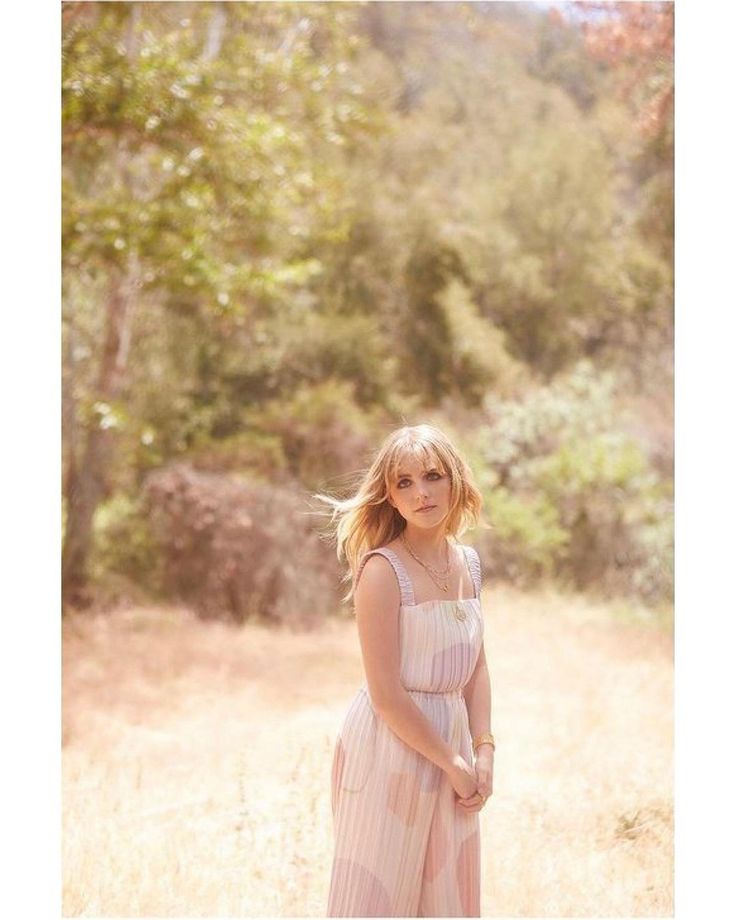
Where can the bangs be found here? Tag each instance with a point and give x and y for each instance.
(424, 453)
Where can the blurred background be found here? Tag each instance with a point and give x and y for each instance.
(289, 228)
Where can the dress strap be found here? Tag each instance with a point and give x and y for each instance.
(407, 590)
(471, 554)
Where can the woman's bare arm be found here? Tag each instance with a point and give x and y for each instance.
(477, 693)
(377, 600)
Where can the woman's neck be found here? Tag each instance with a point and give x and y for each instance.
(430, 544)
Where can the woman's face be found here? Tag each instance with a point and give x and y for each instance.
(416, 487)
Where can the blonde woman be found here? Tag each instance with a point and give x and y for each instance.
(413, 760)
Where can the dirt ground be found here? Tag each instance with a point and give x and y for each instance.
(196, 761)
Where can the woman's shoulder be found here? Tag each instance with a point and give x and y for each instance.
(386, 550)
(391, 552)
(379, 559)
(376, 576)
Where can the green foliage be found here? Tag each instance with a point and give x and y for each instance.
(559, 276)
(427, 338)
(327, 218)
(259, 454)
(528, 539)
(123, 543)
(606, 461)
(571, 492)
(479, 361)
(186, 164)
(323, 346)
(322, 430)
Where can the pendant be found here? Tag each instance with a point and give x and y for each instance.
(460, 613)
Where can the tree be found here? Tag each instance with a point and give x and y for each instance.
(636, 40)
(194, 150)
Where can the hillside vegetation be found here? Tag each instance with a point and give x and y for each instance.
(291, 227)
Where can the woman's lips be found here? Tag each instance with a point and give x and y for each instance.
(426, 508)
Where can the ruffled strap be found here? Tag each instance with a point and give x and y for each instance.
(405, 585)
(471, 554)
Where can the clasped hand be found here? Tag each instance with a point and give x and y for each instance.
(484, 781)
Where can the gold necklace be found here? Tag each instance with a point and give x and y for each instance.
(438, 576)
(459, 610)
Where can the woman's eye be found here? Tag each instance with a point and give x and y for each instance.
(433, 474)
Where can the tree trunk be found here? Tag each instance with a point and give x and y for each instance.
(215, 32)
(86, 475)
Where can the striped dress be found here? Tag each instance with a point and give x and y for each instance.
(403, 847)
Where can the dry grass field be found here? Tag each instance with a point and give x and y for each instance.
(196, 762)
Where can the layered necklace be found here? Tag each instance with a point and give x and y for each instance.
(439, 576)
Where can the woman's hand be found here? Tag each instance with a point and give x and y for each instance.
(463, 777)
(484, 780)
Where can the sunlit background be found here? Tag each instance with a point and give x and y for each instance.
(287, 229)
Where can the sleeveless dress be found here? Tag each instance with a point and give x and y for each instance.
(403, 847)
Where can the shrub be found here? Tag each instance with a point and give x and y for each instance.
(124, 558)
(320, 428)
(237, 549)
(570, 494)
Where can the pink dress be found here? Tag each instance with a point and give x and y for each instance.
(403, 847)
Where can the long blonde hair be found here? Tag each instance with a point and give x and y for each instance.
(367, 520)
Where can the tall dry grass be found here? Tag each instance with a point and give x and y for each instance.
(196, 762)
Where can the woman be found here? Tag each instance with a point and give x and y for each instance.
(413, 761)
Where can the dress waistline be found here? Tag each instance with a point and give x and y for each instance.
(450, 693)
(456, 694)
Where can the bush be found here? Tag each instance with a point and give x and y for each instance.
(320, 428)
(616, 511)
(527, 537)
(236, 549)
(571, 495)
(124, 558)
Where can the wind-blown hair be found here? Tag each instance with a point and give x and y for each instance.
(367, 520)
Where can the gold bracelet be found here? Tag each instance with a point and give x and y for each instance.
(485, 738)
